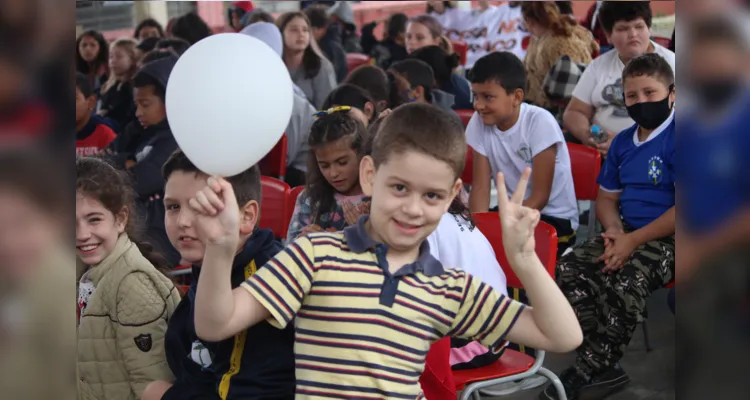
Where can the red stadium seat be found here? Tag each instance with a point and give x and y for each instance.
(468, 176)
(585, 164)
(662, 41)
(462, 49)
(273, 214)
(292, 201)
(465, 116)
(274, 163)
(354, 60)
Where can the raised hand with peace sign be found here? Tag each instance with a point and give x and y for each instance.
(518, 222)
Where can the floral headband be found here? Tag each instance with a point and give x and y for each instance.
(332, 110)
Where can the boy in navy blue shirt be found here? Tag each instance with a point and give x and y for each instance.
(257, 363)
(635, 255)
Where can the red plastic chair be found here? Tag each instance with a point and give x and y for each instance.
(354, 60)
(274, 163)
(465, 116)
(292, 201)
(585, 164)
(662, 41)
(437, 379)
(468, 176)
(462, 49)
(513, 365)
(273, 214)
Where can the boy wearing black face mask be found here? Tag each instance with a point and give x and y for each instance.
(636, 254)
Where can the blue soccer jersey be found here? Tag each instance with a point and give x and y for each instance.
(642, 172)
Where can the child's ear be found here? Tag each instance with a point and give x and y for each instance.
(518, 96)
(249, 216)
(419, 93)
(91, 103)
(454, 192)
(366, 175)
(369, 110)
(121, 220)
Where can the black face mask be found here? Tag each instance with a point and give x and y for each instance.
(649, 115)
(716, 93)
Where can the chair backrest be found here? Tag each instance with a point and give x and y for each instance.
(462, 49)
(273, 214)
(468, 176)
(465, 116)
(292, 201)
(662, 41)
(585, 164)
(546, 244)
(274, 163)
(354, 60)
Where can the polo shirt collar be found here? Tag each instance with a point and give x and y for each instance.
(359, 241)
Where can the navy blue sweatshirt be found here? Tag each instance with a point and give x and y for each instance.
(266, 359)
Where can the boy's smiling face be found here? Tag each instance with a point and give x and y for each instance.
(410, 193)
(494, 105)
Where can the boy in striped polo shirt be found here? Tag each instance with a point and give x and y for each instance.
(369, 301)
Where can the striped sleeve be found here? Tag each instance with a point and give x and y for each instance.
(282, 284)
(485, 315)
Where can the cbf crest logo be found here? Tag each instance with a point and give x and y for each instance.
(655, 169)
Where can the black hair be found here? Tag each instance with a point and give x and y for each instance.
(179, 46)
(503, 68)
(150, 23)
(148, 44)
(258, 15)
(374, 80)
(649, 64)
(83, 83)
(246, 184)
(191, 27)
(613, 11)
(329, 128)
(396, 25)
(102, 58)
(446, 4)
(565, 7)
(141, 80)
(418, 73)
(716, 29)
(317, 15)
(311, 59)
(350, 95)
(439, 60)
(114, 190)
(157, 54)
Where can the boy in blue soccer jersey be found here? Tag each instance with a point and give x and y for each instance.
(635, 254)
(368, 302)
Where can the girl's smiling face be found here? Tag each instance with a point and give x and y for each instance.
(297, 35)
(89, 48)
(339, 165)
(97, 229)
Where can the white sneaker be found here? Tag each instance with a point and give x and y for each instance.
(504, 389)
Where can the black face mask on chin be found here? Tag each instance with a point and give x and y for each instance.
(716, 93)
(649, 115)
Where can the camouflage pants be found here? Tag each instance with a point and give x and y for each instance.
(609, 307)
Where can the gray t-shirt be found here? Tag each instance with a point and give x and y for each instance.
(319, 86)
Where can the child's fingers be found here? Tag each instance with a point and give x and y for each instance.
(213, 199)
(197, 207)
(205, 204)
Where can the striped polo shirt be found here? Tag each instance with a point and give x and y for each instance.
(362, 332)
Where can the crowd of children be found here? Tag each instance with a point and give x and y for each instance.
(382, 257)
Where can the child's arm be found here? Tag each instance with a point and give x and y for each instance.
(543, 165)
(279, 285)
(608, 199)
(550, 324)
(301, 217)
(147, 171)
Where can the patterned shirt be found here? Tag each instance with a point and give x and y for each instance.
(303, 214)
(362, 332)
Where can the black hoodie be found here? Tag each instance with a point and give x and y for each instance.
(266, 359)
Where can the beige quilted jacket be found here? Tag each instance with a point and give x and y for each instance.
(121, 332)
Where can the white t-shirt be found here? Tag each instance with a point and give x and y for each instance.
(601, 86)
(511, 151)
(457, 246)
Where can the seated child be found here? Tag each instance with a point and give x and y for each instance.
(422, 88)
(124, 302)
(372, 298)
(146, 145)
(386, 88)
(255, 364)
(362, 105)
(636, 253)
(508, 135)
(332, 198)
(92, 136)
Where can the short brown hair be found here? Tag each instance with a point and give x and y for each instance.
(548, 15)
(246, 184)
(649, 64)
(423, 128)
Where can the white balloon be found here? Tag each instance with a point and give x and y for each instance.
(229, 99)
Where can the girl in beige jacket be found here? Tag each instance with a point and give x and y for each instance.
(124, 302)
